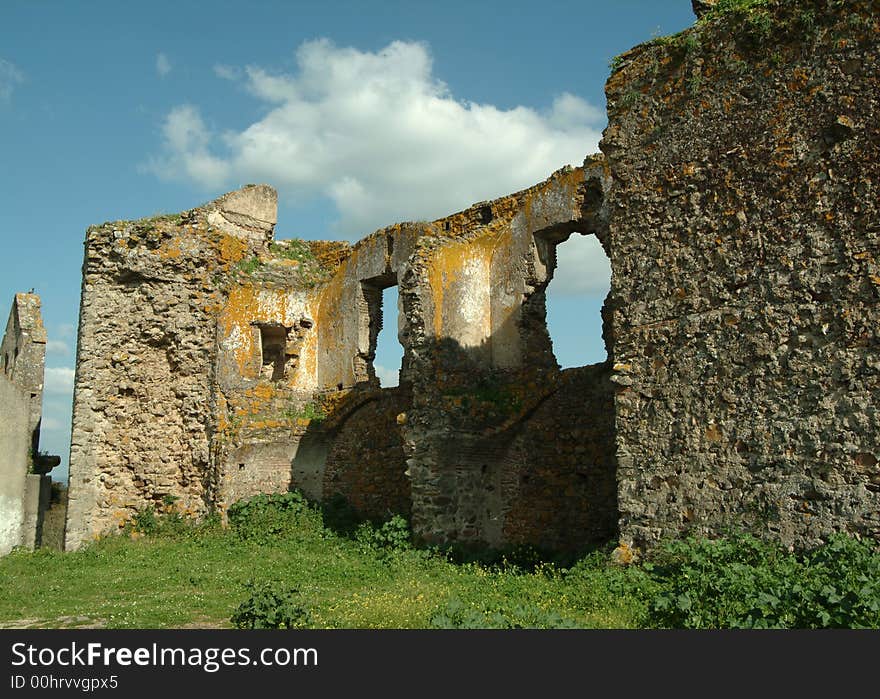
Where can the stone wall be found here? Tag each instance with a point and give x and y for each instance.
(23, 353)
(144, 392)
(487, 391)
(24, 485)
(366, 459)
(745, 159)
(559, 481)
(14, 450)
(52, 535)
(215, 363)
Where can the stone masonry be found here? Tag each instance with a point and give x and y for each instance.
(24, 483)
(745, 244)
(736, 198)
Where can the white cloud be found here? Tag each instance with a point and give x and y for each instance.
(387, 377)
(57, 347)
(186, 137)
(581, 268)
(10, 76)
(379, 135)
(163, 65)
(58, 380)
(227, 72)
(66, 330)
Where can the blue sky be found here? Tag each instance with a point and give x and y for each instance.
(361, 113)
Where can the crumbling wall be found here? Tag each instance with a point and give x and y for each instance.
(24, 485)
(215, 363)
(23, 353)
(366, 458)
(737, 202)
(559, 478)
(484, 377)
(144, 392)
(745, 155)
(14, 450)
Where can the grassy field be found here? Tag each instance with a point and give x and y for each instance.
(198, 577)
(168, 574)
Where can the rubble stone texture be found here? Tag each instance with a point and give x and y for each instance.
(745, 243)
(736, 198)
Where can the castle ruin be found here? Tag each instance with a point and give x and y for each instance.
(736, 198)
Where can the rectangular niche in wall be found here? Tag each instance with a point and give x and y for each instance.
(273, 349)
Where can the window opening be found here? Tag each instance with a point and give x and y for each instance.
(574, 299)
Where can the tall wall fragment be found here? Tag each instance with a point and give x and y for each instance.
(745, 160)
(24, 483)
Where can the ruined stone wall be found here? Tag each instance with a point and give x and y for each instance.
(144, 398)
(52, 534)
(737, 202)
(142, 392)
(366, 459)
(14, 450)
(23, 353)
(559, 476)
(745, 158)
(487, 391)
(24, 485)
(215, 363)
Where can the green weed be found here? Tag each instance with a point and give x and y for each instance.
(270, 605)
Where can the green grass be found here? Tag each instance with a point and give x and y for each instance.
(329, 571)
(347, 580)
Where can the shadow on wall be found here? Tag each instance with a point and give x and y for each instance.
(474, 455)
(357, 453)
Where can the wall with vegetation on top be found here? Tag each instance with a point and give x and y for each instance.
(745, 163)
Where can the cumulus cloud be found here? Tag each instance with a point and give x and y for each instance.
(163, 65)
(582, 268)
(186, 138)
(66, 330)
(378, 134)
(58, 380)
(10, 76)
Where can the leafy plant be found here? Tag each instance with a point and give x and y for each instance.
(270, 605)
(248, 265)
(393, 535)
(313, 412)
(148, 522)
(488, 392)
(263, 518)
(145, 521)
(743, 582)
